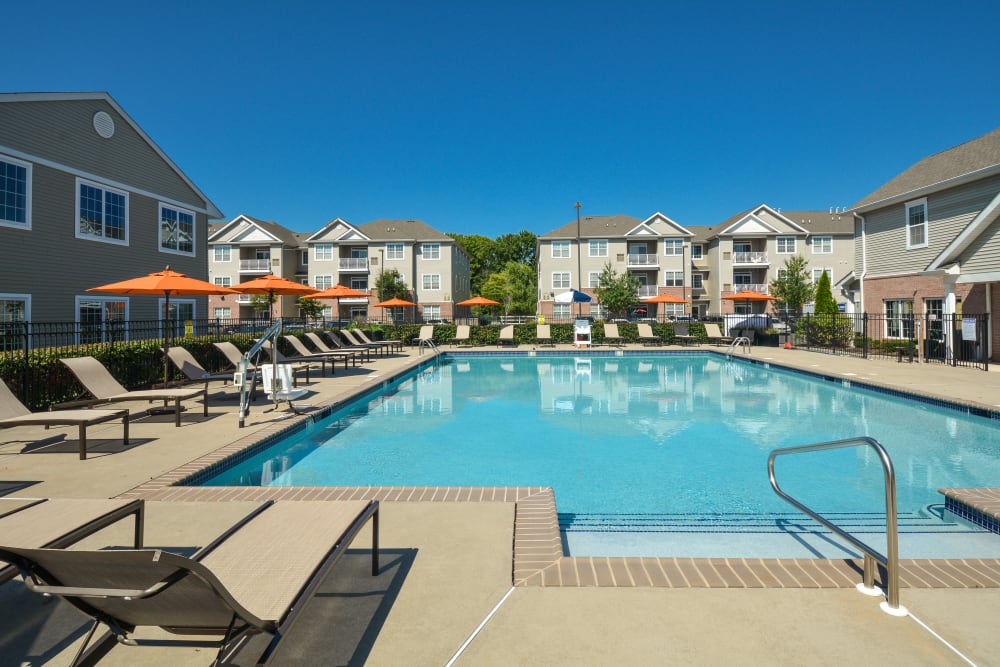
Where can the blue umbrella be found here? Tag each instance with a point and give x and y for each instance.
(573, 296)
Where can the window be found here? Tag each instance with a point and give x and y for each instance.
(673, 278)
(102, 213)
(305, 258)
(916, 224)
(560, 311)
(598, 248)
(822, 245)
(359, 283)
(394, 251)
(222, 253)
(102, 319)
(431, 281)
(221, 313)
(673, 309)
(598, 311)
(176, 230)
(15, 193)
(13, 308)
(818, 272)
(181, 311)
(323, 282)
(697, 251)
(222, 281)
(431, 250)
(673, 247)
(560, 249)
(899, 318)
(323, 251)
(934, 314)
(594, 279)
(697, 281)
(742, 279)
(786, 245)
(432, 312)
(560, 280)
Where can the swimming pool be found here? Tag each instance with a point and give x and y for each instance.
(646, 452)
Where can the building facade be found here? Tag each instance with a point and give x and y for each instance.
(88, 198)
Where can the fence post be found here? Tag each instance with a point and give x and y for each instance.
(864, 335)
(25, 346)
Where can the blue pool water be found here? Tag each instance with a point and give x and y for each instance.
(648, 453)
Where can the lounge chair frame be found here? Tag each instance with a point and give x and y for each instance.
(364, 352)
(646, 335)
(611, 335)
(543, 335)
(111, 606)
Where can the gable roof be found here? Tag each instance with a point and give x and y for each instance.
(401, 230)
(595, 226)
(227, 231)
(966, 162)
(211, 210)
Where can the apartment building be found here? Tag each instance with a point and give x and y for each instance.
(88, 198)
(430, 263)
(928, 244)
(699, 264)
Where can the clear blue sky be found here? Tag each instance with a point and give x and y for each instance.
(492, 117)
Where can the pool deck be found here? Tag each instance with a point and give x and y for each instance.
(449, 564)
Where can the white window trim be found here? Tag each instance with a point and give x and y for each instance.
(423, 282)
(423, 251)
(126, 317)
(305, 258)
(569, 279)
(697, 281)
(673, 244)
(825, 269)
(326, 279)
(821, 251)
(594, 279)
(391, 252)
(106, 188)
(561, 244)
(26, 298)
(229, 253)
(325, 246)
(672, 274)
(27, 192)
(778, 245)
(227, 281)
(906, 223)
(591, 248)
(159, 230)
(700, 247)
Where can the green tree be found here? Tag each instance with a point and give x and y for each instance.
(312, 308)
(481, 264)
(515, 287)
(792, 287)
(827, 327)
(520, 248)
(390, 285)
(261, 303)
(825, 304)
(618, 293)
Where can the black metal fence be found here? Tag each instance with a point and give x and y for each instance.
(906, 338)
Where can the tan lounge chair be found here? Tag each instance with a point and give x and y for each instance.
(185, 362)
(611, 335)
(681, 333)
(462, 335)
(59, 522)
(303, 352)
(341, 343)
(233, 356)
(543, 334)
(352, 338)
(361, 336)
(14, 413)
(426, 335)
(255, 578)
(280, 358)
(99, 382)
(363, 353)
(646, 335)
(715, 334)
(507, 336)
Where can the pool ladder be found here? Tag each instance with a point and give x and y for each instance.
(738, 342)
(429, 344)
(891, 560)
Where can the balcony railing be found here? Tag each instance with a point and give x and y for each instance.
(750, 258)
(255, 265)
(353, 263)
(760, 288)
(635, 261)
(646, 291)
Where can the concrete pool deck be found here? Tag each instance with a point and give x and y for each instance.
(450, 564)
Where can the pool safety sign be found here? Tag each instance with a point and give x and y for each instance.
(968, 328)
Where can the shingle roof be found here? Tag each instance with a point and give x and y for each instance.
(973, 156)
(401, 230)
(595, 226)
(822, 222)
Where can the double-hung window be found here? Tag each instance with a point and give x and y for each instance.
(673, 247)
(594, 278)
(394, 251)
(431, 281)
(598, 248)
(176, 230)
(431, 250)
(697, 251)
(323, 252)
(15, 193)
(673, 278)
(916, 224)
(560, 249)
(560, 280)
(432, 311)
(222, 253)
(785, 245)
(102, 213)
(323, 282)
(819, 272)
(697, 281)
(222, 281)
(899, 318)
(822, 245)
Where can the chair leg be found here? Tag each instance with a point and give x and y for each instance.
(177, 412)
(83, 442)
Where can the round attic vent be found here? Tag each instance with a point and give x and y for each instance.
(104, 124)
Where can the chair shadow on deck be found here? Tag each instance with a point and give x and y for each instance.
(68, 444)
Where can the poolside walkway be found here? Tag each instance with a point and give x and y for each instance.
(448, 565)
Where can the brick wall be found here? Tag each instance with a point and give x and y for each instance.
(917, 288)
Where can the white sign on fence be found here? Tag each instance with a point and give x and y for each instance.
(968, 328)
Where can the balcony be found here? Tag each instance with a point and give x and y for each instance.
(255, 266)
(643, 261)
(354, 264)
(753, 287)
(646, 291)
(750, 258)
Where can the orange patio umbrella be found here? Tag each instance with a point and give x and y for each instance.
(395, 302)
(478, 301)
(272, 286)
(749, 296)
(337, 292)
(665, 298)
(164, 283)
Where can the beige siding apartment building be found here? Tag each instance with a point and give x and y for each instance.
(430, 263)
(87, 198)
(928, 241)
(698, 263)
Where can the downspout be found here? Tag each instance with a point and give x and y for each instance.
(864, 260)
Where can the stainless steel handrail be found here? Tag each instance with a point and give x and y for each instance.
(737, 342)
(426, 342)
(891, 559)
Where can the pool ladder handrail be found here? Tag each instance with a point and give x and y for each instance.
(737, 342)
(891, 559)
(428, 343)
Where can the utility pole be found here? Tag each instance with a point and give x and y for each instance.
(579, 257)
